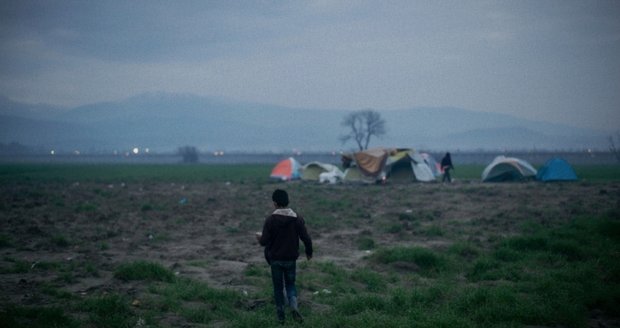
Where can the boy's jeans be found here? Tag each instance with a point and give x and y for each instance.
(283, 277)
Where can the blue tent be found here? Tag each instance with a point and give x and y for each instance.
(556, 169)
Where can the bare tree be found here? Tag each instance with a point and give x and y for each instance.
(612, 146)
(363, 125)
(189, 154)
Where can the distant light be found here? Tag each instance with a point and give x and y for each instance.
(77, 152)
(53, 152)
(221, 153)
(115, 152)
(136, 151)
(147, 150)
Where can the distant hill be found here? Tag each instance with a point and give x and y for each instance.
(163, 122)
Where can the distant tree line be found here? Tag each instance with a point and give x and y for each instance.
(15, 148)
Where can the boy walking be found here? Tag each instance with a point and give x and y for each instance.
(282, 231)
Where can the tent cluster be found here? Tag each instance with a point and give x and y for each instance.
(368, 166)
(406, 165)
(504, 169)
(290, 169)
(395, 164)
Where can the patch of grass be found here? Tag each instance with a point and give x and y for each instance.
(143, 270)
(17, 266)
(427, 260)
(393, 228)
(85, 208)
(598, 172)
(157, 237)
(325, 275)
(35, 316)
(59, 293)
(321, 221)
(5, 241)
(109, 311)
(67, 277)
(254, 270)
(128, 173)
(60, 241)
(45, 265)
(365, 243)
(199, 263)
(433, 231)
(207, 304)
(373, 281)
(357, 304)
(464, 250)
(406, 217)
(152, 206)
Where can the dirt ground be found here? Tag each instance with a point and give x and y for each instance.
(83, 231)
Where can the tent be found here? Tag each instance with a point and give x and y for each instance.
(406, 166)
(365, 166)
(354, 174)
(288, 169)
(432, 164)
(312, 171)
(504, 168)
(556, 169)
(421, 168)
(398, 165)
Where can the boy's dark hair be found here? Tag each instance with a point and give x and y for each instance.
(280, 197)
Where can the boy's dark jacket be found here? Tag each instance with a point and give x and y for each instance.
(281, 234)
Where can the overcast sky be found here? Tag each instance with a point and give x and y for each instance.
(557, 61)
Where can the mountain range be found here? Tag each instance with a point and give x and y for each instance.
(165, 121)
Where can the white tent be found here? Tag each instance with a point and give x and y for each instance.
(421, 169)
(314, 170)
(432, 164)
(504, 168)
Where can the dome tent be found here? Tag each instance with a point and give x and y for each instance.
(285, 170)
(503, 169)
(556, 169)
(312, 171)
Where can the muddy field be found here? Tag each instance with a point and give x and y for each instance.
(72, 236)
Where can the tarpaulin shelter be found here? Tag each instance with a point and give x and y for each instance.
(366, 165)
(287, 169)
(556, 169)
(503, 169)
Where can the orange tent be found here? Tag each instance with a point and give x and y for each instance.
(287, 169)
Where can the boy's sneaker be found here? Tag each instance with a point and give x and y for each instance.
(297, 316)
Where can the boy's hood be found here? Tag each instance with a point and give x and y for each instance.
(285, 212)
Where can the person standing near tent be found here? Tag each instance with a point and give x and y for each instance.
(446, 166)
(281, 233)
